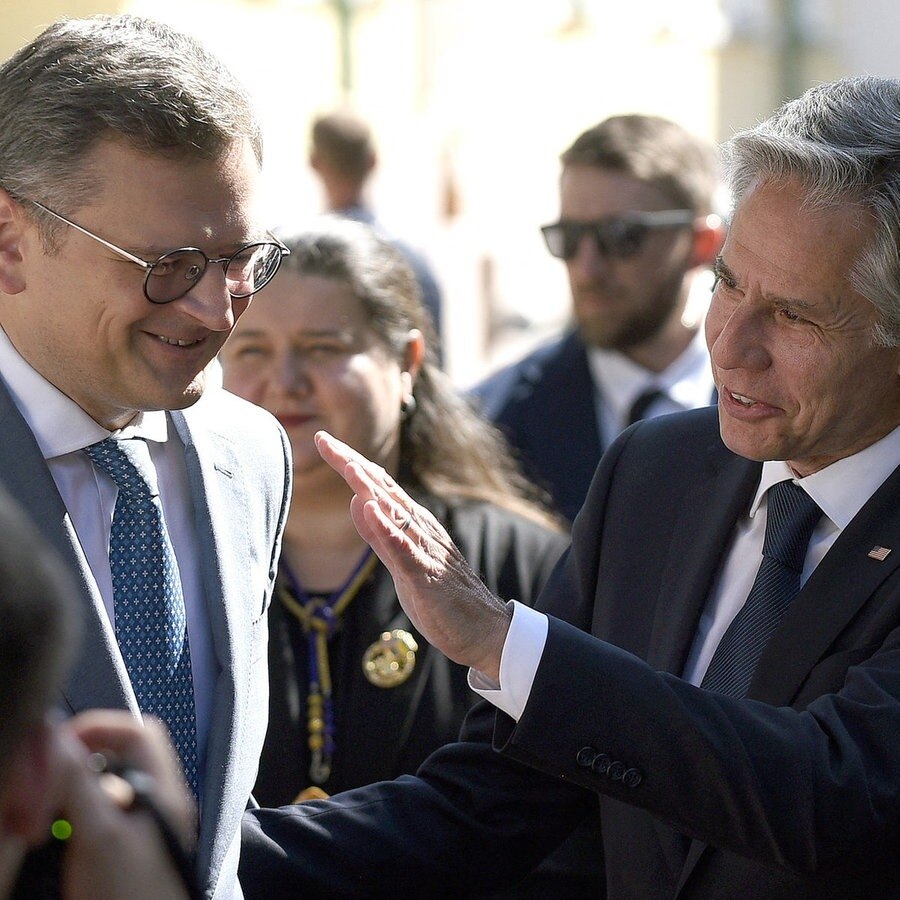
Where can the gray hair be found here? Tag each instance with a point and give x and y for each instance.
(83, 79)
(841, 142)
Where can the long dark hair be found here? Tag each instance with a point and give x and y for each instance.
(446, 448)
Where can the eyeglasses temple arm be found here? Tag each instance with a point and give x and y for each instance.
(124, 253)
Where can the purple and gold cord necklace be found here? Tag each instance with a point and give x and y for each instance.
(320, 616)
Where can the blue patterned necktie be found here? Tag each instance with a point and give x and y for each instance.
(792, 516)
(151, 626)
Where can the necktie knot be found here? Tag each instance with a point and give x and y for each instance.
(127, 463)
(792, 516)
(643, 402)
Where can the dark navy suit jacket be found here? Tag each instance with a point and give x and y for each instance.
(790, 794)
(545, 404)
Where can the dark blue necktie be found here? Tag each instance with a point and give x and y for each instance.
(792, 516)
(642, 403)
(151, 626)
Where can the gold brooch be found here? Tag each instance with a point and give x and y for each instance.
(391, 659)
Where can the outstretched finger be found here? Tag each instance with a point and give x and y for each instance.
(367, 480)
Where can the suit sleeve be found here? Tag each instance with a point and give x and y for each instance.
(806, 787)
(452, 826)
(470, 821)
(778, 785)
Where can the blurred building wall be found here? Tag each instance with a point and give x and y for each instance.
(472, 101)
(24, 19)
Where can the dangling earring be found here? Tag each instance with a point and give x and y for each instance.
(407, 407)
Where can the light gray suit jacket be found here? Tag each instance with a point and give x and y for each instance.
(239, 468)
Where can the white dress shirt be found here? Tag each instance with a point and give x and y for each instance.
(61, 429)
(841, 490)
(687, 384)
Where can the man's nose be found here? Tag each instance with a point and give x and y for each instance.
(737, 337)
(209, 300)
(589, 259)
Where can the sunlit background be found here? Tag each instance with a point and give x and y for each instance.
(471, 102)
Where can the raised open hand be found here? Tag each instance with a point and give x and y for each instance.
(445, 599)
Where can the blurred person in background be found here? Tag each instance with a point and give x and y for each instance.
(342, 154)
(46, 771)
(635, 227)
(343, 342)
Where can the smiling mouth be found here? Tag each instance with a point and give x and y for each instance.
(740, 398)
(175, 342)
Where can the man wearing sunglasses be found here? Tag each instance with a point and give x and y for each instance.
(130, 243)
(635, 226)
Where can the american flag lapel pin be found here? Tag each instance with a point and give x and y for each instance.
(879, 553)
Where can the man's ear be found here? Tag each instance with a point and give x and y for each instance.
(28, 792)
(12, 222)
(708, 237)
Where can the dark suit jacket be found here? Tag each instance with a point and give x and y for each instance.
(545, 405)
(385, 732)
(791, 793)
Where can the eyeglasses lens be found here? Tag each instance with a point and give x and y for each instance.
(613, 238)
(252, 269)
(247, 272)
(174, 274)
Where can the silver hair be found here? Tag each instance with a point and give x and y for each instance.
(83, 79)
(841, 141)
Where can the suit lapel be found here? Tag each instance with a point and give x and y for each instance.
(695, 555)
(566, 436)
(97, 677)
(222, 530)
(840, 586)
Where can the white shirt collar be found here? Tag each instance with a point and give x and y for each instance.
(844, 487)
(687, 380)
(59, 424)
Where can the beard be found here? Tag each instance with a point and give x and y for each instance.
(634, 321)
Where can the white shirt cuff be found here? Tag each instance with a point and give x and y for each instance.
(519, 661)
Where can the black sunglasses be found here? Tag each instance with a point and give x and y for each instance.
(616, 237)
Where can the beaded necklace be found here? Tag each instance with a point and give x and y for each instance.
(319, 616)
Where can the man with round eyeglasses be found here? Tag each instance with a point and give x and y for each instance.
(130, 244)
(635, 227)
(248, 270)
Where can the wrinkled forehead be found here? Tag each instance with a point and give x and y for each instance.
(792, 247)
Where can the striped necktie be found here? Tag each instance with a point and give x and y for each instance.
(792, 516)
